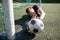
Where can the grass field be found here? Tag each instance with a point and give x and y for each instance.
(51, 22)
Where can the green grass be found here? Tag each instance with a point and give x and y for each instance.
(51, 22)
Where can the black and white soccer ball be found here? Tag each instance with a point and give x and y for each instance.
(35, 25)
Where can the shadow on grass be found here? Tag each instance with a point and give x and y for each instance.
(24, 34)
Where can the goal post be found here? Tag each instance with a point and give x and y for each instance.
(9, 18)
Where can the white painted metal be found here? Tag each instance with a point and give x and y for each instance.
(40, 3)
(9, 18)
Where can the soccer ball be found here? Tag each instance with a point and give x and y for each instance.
(35, 25)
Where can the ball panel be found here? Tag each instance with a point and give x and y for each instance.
(33, 22)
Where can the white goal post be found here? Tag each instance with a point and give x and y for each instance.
(9, 18)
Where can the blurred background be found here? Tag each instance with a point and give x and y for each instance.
(51, 20)
(36, 1)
